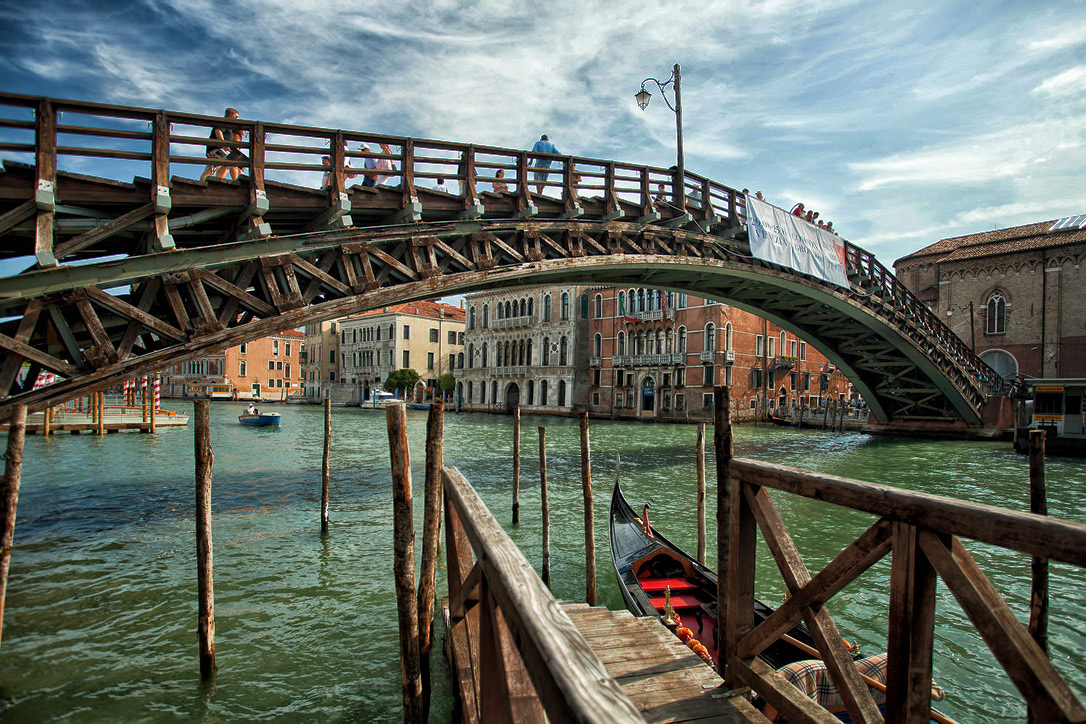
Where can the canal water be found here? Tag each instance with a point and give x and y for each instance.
(101, 608)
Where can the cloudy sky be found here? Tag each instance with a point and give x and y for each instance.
(902, 122)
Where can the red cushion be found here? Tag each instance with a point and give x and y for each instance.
(677, 601)
(654, 585)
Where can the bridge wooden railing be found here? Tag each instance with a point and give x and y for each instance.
(866, 271)
(54, 134)
(922, 531)
(524, 655)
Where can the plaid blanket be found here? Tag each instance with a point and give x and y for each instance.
(813, 679)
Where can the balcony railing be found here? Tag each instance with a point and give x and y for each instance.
(595, 361)
(526, 320)
(707, 357)
(649, 315)
(649, 360)
(784, 363)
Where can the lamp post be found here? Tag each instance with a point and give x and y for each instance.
(972, 324)
(643, 97)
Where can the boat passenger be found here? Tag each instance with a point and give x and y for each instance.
(251, 410)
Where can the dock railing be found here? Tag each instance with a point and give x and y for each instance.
(922, 532)
(517, 653)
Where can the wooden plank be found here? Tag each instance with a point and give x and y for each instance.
(9, 370)
(580, 687)
(845, 568)
(208, 321)
(125, 309)
(105, 351)
(1023, 660)
(911, 629)
(493, 682)
(19, 214)
(135, 327)
(460, 665)
(236, 293)
(177, 306)
(45, 360)
(319, 274)
(1025, 532)
(391, 262)
(103, 232)
(45, 142)
(787, 699)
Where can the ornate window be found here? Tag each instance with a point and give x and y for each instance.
(728, 335)
(710, 337)
(597, 312)
(565, 306)
(621, 343)
(597, 345)
(622, 302)
(680, 341)
(996, 319)
(547, 309)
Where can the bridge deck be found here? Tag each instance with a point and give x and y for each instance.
(660, 675)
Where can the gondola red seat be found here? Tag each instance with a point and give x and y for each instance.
(657, 585)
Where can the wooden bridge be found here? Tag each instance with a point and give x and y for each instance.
(128, 277)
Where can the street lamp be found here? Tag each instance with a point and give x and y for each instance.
(643, 97)
(972, 325)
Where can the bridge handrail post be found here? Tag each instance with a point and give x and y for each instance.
(45, 154)
(524, 195)
(407, 167)
(646, 192)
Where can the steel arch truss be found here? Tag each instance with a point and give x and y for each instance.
(98, 324)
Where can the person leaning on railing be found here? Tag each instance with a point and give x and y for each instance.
(216, 153)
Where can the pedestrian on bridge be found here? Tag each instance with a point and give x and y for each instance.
(215, 153)
(543, 145)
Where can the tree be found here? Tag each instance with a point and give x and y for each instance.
(401, 380)
(446, 383)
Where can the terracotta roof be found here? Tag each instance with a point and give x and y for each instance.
(431, 310)
(291, 333)
(999, 241)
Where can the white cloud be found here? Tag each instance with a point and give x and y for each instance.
(1070, 81)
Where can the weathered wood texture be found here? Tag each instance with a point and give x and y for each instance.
(9, 498)
(403, 564)
(1038, 505)
(568, 677)
(589, 517)
(205, 464)
(431, 530)
(325, 458)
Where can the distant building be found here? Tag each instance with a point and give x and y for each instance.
(525, 347)
(658, 355)
(1018, 295)
(320, 360)
(266, 368)
(427, 337)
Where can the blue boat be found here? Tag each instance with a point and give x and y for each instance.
(260, 419)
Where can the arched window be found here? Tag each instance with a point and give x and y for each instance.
(563, 351)
(784, 343)
(523, 307)
(546, 351)
(562, 393)
(659, 343)
(543, 392)
(470, 391)
(499, 313)
(482, 393)
(565, 306)
(669, 342)
(531, 306)
(484, 353)
(597, 345)
(392, 331)
(528, 354)
(640, 300)
(486, 316)
(471, 359)
(621, 343)
(584, 306)
(531, 392)
(507, 310)
(597, 312)
(996, 319)
(622, 302)
(728, 335)
(460, 390)
(460, 361)
(680, 341)
(547, 309)
(710, 337)
(494, 392)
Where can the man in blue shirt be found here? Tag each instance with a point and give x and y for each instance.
(543, 145)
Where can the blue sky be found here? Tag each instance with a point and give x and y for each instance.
(901, 122)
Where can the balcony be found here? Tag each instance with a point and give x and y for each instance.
(729, 356)
(526, 320)
(649, 360)
(707, 357)
(783, 363)
(458, 372)
(595, 361)
(650, 315)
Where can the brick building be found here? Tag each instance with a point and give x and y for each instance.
(1018, 295)
(658, 355)
(266, 368)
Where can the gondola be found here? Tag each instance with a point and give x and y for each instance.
(782, 421)
(647, 565)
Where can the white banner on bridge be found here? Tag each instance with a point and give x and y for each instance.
(779, 237)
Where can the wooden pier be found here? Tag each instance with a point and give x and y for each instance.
(112, 422)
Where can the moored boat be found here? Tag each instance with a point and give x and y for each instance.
(647, 564)
(379, 400)
(259, 419)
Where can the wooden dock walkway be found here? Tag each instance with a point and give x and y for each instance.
(661, 676)
(78, 422)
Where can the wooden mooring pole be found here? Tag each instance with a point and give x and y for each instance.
(47, 420)
(324, 464)
(205, 463)
(589, 516)
(699, 451)
(722, 447)
(516, 464)
(9, 497)
(1038, 503)
(545, 572)
(403, 564)
(431, 530)
(100, 407)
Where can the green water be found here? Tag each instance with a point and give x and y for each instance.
(101, 610)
